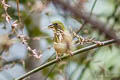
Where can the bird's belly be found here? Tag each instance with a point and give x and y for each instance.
(60, 47)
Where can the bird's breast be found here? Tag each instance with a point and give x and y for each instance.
(60, 47)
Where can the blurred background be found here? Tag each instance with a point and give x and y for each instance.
(34, 16)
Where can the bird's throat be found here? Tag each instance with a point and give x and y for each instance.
(58, 37)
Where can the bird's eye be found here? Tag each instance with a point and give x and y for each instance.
(55, 24)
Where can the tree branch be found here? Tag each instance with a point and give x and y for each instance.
(64, 57)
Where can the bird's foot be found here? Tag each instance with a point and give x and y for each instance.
(99, 43)
(58, 58)
(70, 52)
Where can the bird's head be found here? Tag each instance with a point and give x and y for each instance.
(57, 25)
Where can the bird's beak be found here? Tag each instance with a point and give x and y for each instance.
(50, 26)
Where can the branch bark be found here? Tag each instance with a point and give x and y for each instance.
(79, 51)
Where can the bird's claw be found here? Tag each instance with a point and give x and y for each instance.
(70, 52)
(58, 58)
(99, 43)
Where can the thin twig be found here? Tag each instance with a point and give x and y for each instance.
(17, 1)
(93, 7)
(79, 51)
(90, 16)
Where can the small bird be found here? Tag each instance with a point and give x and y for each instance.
(62, 39)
